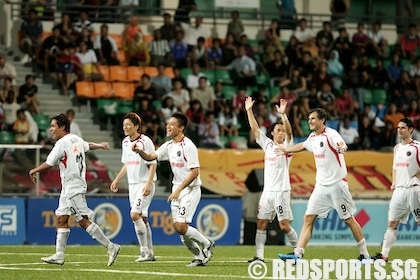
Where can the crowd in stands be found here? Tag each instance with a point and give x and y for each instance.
(365, 82)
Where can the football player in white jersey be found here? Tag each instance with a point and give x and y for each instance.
(275, 198)
(331, 187)
(405, 183)
(141, 177)
(182, 155)
(69, 153)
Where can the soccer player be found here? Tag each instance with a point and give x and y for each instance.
(405, 183)
(331, 187)
(69, 154)
(141, 177)
(182, 155)
(275, 198)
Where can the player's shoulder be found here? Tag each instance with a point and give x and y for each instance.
(145, 138)
(126, 140)
(416, 143)
(188, 142)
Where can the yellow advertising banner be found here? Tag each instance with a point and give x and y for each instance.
(225, 172)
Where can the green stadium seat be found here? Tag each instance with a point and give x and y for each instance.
(224, 140)
(210, 75)
(185, 72)
(229, 91)
(379, 96)
(107, 106)
(157, 104)
(124, 106)
(262, 79)
(406, 63)
(223, 76)
(367, 96)
(7, 137)
(42, 121)
(305, 127)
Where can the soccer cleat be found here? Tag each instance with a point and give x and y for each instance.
(208, 252)
(113, 253)
(290, 256)
(146, 258)
(363, 259)
(196, 262)
(54, 259)
(255, 259)
(379, 256)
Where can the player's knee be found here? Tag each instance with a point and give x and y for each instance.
(63, 221)
(135, 216)
(394, 224)
(84, 223)
(284, 226)
(181, 228)
(262, 224)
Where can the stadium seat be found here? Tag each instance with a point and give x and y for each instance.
(123, 90)
(274, 91)
(148, 38)
(121, 57)
(238, 142)
(367, 96)
(104, 70)
(157, 104)
(118, 40)
(124, 106)
(185, 72)
(85, 89)
(229, 91)
(169, 71)
(305, 127)
(379, 96)
(118, 73)
(262, 79)
(223, 76)
(151, 71)
(224, 140)
(107, 106)
(406, 63)
(7, 137)
(134, 73)
(103, 89)
(42, 121)
(211, 77)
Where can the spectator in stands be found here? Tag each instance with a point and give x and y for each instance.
(128, 7)
(287, 12)
(293, 51)
(349, 134)
(208, 131)
(238, 102)
(344, 103)
(277, 69)
(259, 96)
(229, 50)
(321, 76)
(199, 53)
(404, 91)
(83, 23)
(415, 73)
(302, 33)
(307, 66)
(180, 96)
(131, 30)
(313, 98)
(403, 13)
(353, 80)
(310, 46)
(395, 68)
(148, 114)
(296, 83)
(65, 27)
(50, 49)
(221, 100)
(168, 29)
(178, 77)
(344, 47)
(74, 127)
(161, 82)
(193, 32)
(413, 113)
(284, 93)
(235, 25)
(205, 94)
(10, 108)
(6, 88)
(378, 44)
(106, 48)
(90, 66)
(182, 13)
(31, 31)
(21, 128)
(360, 39)
(339, 10)
(215, 53)
(325, 39)
(380, 75)
(296, 114)
(179, 51)
(327, 100)
(69, 68)
(168, 108)
(245, 69)
(249, 50)
(137, 51)
(85, 36)
(410, 42)
(145, 90)
(193, 78)
(393, 115)
(228, 121)
(272, 35)
(195, 114)
(28, 95)
(335, 69)
(159, 49)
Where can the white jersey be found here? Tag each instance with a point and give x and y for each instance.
(182, 157)
(276, 167)
(69, 154)
(137, 168)
(330, 165)
(406, 164)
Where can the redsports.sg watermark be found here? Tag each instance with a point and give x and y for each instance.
(335, 269)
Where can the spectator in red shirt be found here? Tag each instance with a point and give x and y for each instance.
(410, 42)
(360, 39)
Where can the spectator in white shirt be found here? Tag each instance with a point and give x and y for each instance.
(74, 127)
(303, 33)
(192, 79)
(378, 44)
(193, 32)
(349, 134)
(89, 62)
(83, 23)
(106, 47)
(128, 7)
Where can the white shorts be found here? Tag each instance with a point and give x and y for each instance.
(75, 206)
(139, 203)
(275, 203)
(336, 196)
(404, 201)
(183, 209)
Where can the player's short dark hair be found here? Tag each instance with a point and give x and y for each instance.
(134, 118)
(322, 113)
(182, 119)
(62, 120)
(408, 122)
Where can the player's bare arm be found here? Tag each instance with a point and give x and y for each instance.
(40, 168)
(283, 115)
(255, 130)
(194, 172)
(148, 186)
(114, 184)
(98, 146)
(143, 154)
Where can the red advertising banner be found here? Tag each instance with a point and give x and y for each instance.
(225, 171)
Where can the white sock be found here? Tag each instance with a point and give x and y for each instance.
(293, 238)
(195, 235)
(61, 242)
(362, 248)
(389, 239)
(299, 252)
(97, 234)
(141, 233)
(260, 239)
(192, 246)
(149, 239)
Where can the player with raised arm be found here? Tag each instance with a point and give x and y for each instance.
(275, 198)
(141, 177)
(405, 183)
(182, 155)
(331, 187)
(69, 153)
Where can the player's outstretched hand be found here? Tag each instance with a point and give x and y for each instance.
(249, 103)
(282, 108)
(105, 145)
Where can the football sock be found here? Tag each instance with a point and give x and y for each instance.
(293, 238)
(195, 235)
(193, 247)
(141, 233)
(362, 248)
(389, 239)
(149, 238)
(61, 242)
(98, 235)
(260, 239)
(299, 252)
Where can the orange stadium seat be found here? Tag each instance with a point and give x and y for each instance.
(151, 71)
(118, 40)
(123, 90)
(169, 71)
(85, 89)
(134, 73)
(104, 70)
(118, 73)
(148, 38)
(103, 89)
(121, 57)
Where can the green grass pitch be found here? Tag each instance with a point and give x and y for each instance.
(228, 262)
